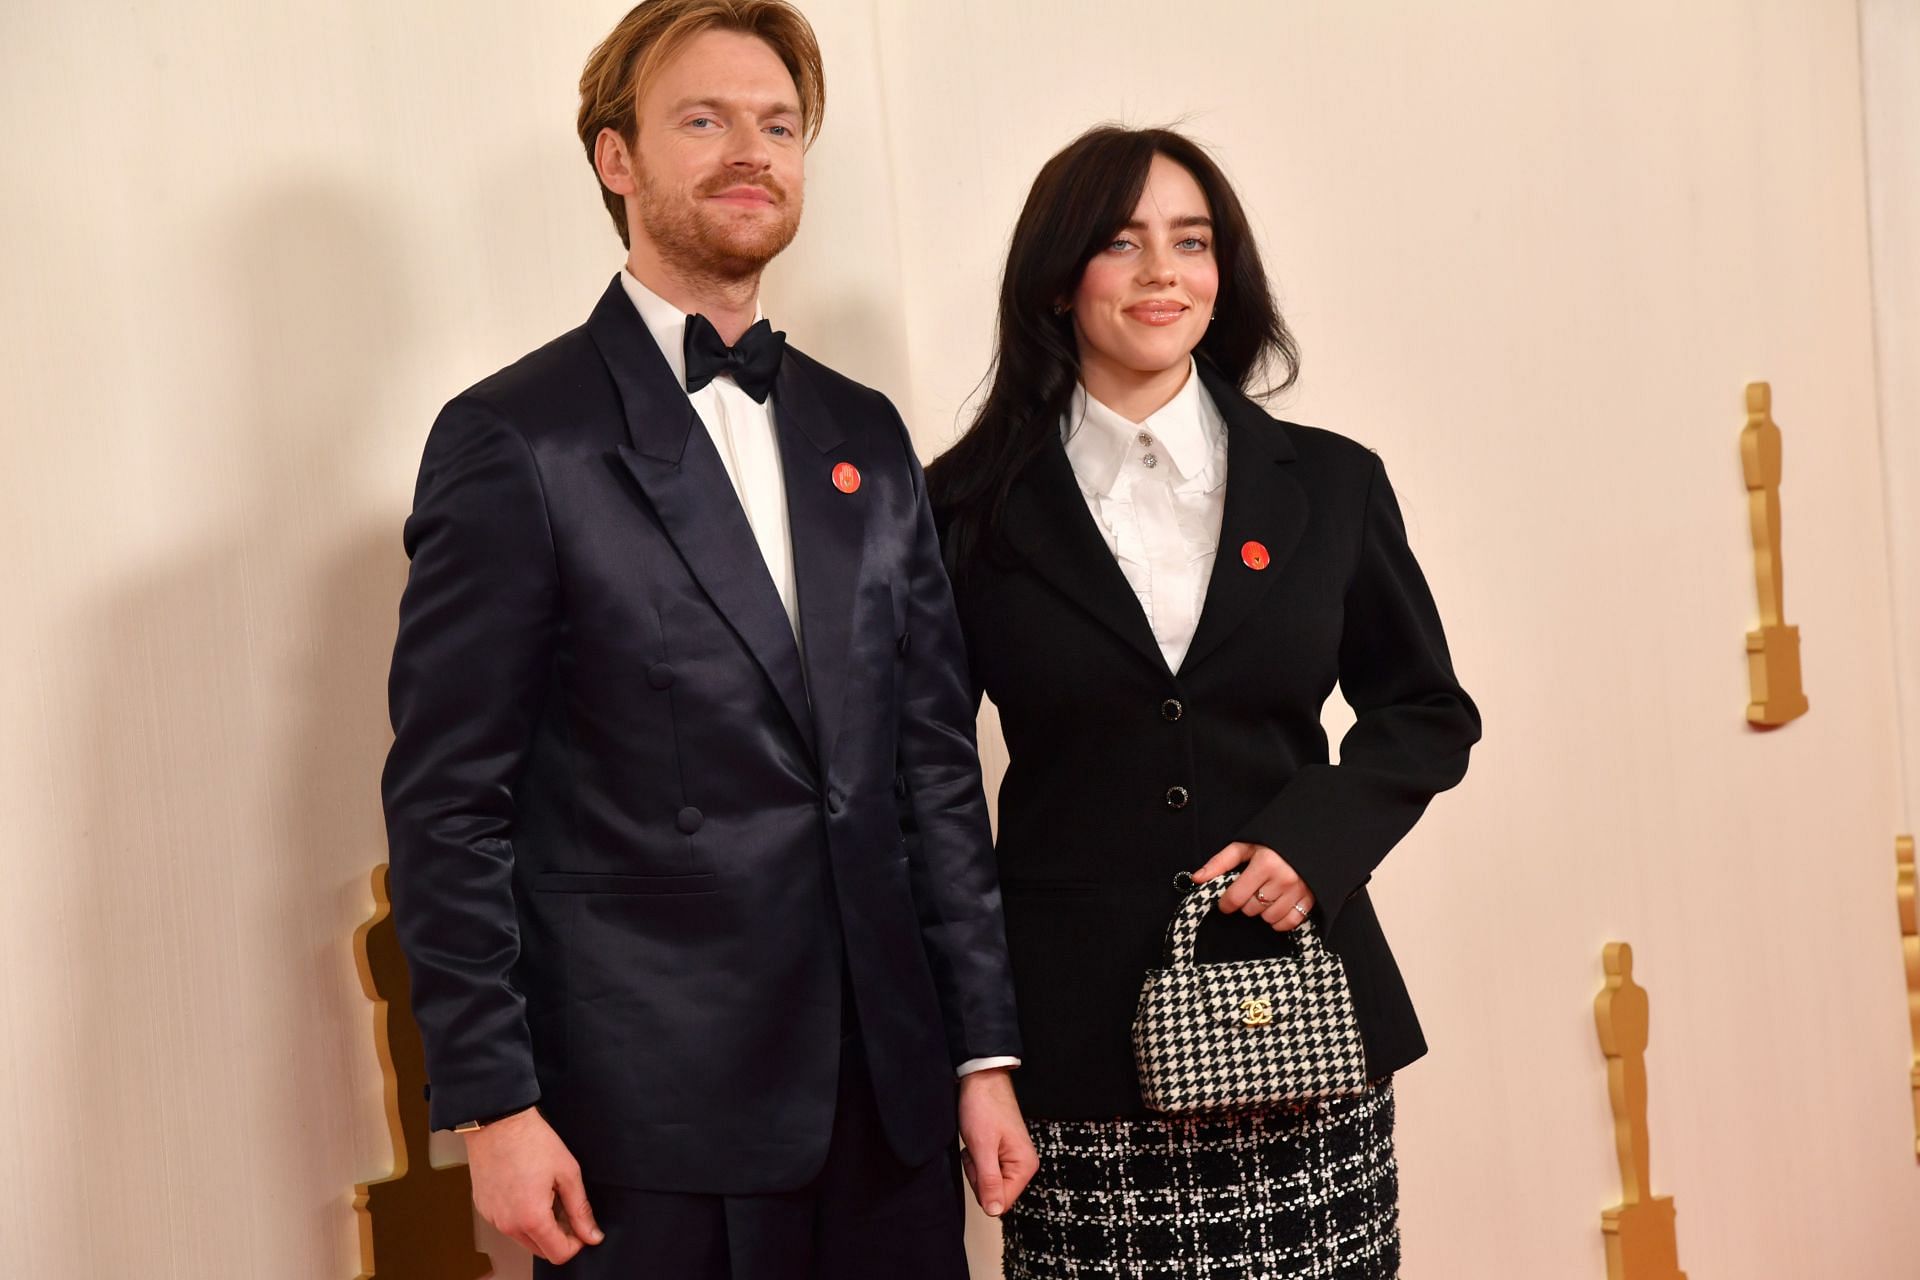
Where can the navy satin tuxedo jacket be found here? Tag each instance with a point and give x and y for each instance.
(638, 834)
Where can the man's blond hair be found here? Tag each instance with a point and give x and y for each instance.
(652, 31)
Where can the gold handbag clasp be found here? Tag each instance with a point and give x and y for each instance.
(1256, 1011)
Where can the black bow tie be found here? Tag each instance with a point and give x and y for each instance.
(751, 362)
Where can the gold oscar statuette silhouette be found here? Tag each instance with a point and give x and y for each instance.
(417, 1224)
(1641, 1244)
(1773, 652)
(1910, 949)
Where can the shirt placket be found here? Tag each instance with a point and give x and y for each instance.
(1166, 552)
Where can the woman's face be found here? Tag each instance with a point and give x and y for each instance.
(1145, 299)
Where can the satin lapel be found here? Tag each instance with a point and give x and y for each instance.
(680, 473)
(829, 538)
(1049, 524)
(1264, 504)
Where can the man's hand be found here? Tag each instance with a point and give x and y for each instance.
(999, 1158)
(520, 1167)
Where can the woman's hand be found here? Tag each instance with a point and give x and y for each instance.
(1268, 888)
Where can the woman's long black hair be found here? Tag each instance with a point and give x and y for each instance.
(1080, 200)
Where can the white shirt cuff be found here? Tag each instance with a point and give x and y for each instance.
(972, 1065)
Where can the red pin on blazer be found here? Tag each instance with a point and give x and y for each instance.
(846, 477)
(1254, 555)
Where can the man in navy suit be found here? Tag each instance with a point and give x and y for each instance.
(690, 857)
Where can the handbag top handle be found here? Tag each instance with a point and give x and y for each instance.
(1183, 932)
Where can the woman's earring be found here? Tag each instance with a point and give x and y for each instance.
(1059, 308)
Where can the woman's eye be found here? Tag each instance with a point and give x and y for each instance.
(1195, 243)
(1119, 246)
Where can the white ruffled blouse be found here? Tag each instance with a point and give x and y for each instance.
(1156, 490)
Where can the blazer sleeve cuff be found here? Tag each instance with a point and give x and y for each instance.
(450, 1104)
(1311, 827)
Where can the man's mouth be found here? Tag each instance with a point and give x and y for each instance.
(745, 195)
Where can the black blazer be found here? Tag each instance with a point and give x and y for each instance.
(1124, 773)
(636, 831)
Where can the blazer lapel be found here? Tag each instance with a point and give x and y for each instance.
(673, 460)
(829, 537)
(1048, 521)
(1264, 504)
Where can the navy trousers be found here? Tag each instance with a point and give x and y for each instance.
(866, 1216)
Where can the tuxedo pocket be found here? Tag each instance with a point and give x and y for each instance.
(586, 882)
(899, 601)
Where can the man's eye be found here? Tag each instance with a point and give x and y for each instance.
(781, 130)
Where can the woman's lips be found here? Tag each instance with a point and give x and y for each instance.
(1156, 313)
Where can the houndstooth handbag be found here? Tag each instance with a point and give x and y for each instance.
(1248, 1032)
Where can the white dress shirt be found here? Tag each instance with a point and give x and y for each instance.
(743, 433)
(1157, 490)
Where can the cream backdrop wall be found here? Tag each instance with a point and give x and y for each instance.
(1533, 251)
(1890, 65)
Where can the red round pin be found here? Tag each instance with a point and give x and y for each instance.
(846, 477)
(1254, 555)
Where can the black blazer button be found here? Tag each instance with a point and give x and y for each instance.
(1172, 710)
(1178, 797)
(659, 675)
(689, 820)
(833, 802)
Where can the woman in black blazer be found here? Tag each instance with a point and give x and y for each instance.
(1160, 586)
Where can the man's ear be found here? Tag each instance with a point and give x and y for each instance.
(613, 159)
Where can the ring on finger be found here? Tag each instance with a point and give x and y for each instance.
(1264, 899)
(1301, 907)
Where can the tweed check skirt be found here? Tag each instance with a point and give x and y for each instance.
(1271, 1193)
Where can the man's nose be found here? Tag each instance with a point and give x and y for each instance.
(747, 148)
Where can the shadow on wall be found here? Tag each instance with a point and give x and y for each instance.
(240, 706)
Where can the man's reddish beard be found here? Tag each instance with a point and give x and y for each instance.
(701, 239)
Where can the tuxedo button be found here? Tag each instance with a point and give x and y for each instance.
(833, 802)
(1178, 797)
(659, 675)
(689, 820)
(1172, 709)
